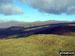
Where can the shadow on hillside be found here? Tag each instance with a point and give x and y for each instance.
(11, 32)
(59, 30)
(17, 32)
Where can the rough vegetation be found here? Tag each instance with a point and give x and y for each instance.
(37, 45)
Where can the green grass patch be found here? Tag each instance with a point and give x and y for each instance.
(37, 45)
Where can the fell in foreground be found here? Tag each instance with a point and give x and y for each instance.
(37, 45)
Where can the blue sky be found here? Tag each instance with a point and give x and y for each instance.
(32, 14)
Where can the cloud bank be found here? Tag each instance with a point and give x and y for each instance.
(53, 6)
(7, 8)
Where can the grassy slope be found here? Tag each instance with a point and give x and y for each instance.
(37, 45)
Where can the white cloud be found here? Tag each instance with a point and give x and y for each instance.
(48, 6)
(7, 8)
(54, 6)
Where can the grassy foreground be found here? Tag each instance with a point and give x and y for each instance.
(37, 45)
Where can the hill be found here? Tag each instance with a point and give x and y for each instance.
(37, 45)
(6, 24)
(21, 31)
(60, 30)
(37, 40)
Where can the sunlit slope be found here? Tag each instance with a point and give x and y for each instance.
(37, 45)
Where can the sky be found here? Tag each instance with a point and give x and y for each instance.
(37, 10)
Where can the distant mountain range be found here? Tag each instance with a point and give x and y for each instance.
(9, 24)
(27, 24)
(20, 30)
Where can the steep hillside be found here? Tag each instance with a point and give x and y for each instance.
(21, 31)
(60, 30)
